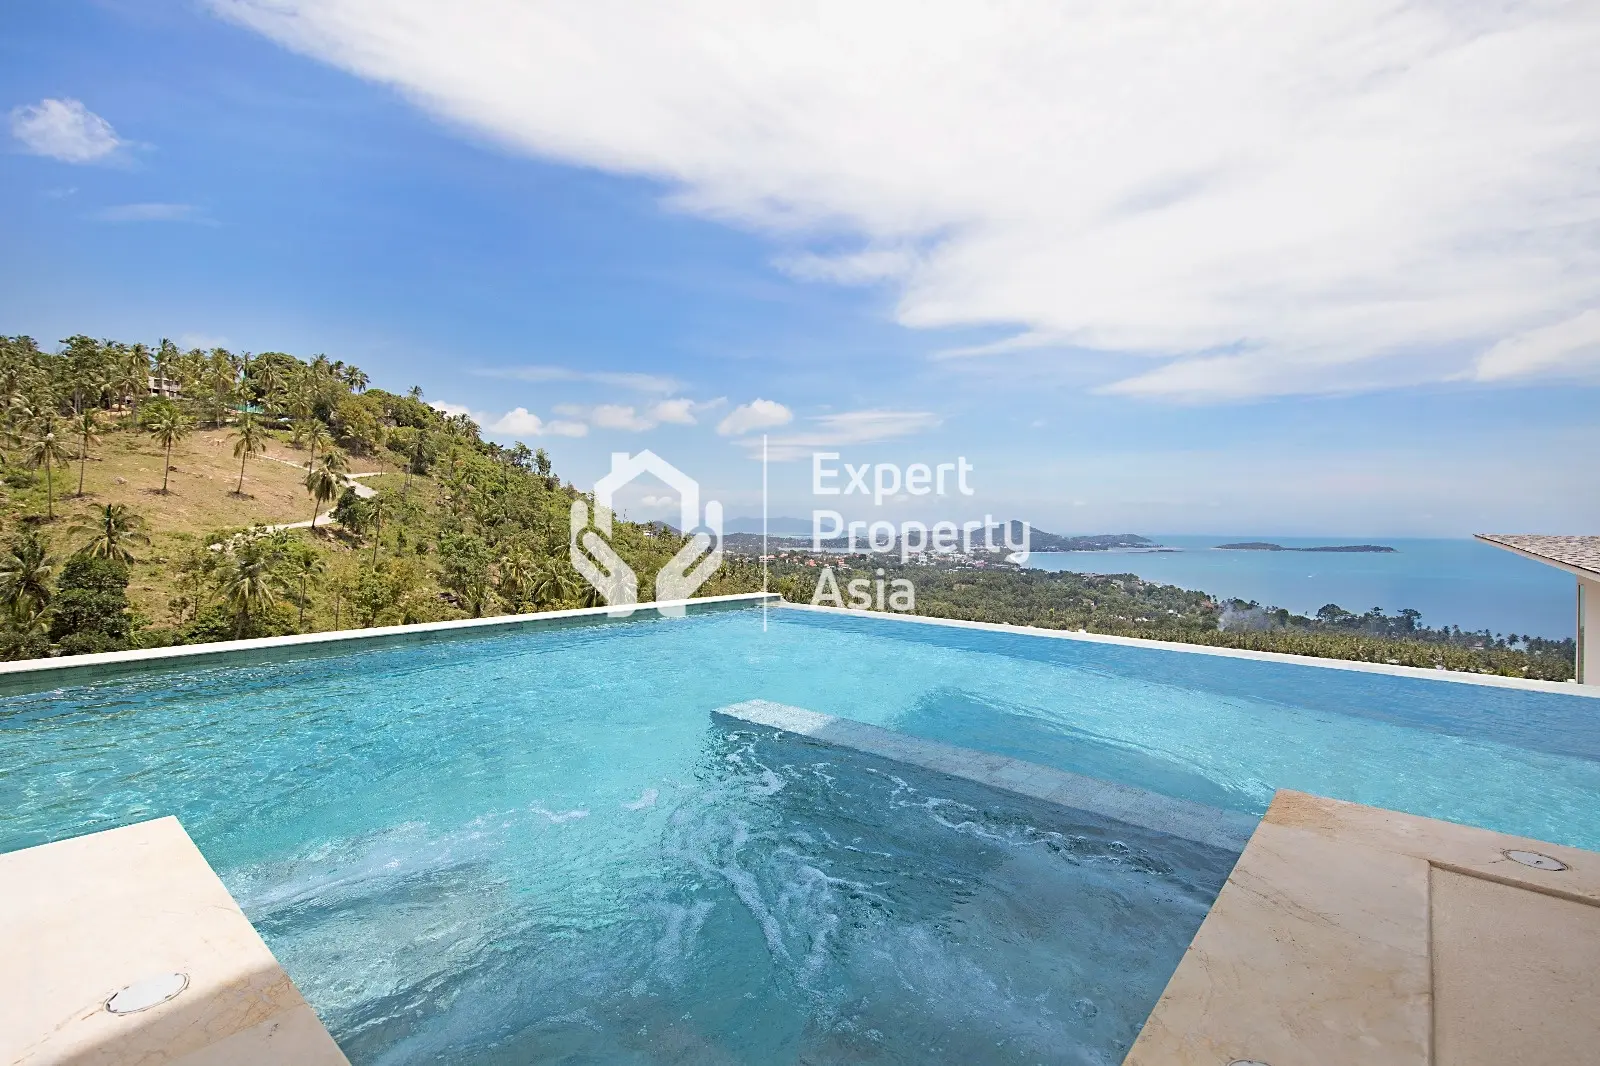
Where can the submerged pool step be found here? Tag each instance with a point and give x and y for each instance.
(1212, 826)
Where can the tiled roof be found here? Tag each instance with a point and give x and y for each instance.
(1570, 553)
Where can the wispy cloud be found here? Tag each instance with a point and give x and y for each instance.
(1329, 193)
(153, 213)
(631, 418)
(616, 379)
(844, 428)
(64, 130)
(1569, 347)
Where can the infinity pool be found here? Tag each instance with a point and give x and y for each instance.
(538, 847)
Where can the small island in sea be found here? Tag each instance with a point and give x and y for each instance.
(1268, 546)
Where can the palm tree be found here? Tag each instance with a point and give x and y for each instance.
(25, 574)
(550, 584)
(85, 424)
(168, 428)
(166, 360)
(377, 530)
(115, 528)
(418, 455)
(304, 567)
(249, 439)
(317, 437)
(268, 378)
(250, 583)
(415, 392)
(131, 377)
(516, 577)
(46, 449)
(324, 480)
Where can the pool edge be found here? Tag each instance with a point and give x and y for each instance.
(33, 675)
(1458, 677)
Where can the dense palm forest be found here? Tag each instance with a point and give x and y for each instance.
(448, 526)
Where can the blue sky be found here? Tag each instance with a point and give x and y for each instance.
(635, 244)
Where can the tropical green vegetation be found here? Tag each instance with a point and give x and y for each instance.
(450, 526)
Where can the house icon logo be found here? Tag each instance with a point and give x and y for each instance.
(594, 557)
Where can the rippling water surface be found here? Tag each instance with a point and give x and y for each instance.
(537, 847)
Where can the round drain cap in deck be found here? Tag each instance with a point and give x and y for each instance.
(1247, 1062)
(1534, 859)
(151, 992)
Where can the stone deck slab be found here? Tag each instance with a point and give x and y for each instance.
(83, 918)
(1349, 934)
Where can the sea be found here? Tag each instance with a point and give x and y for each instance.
(1457, 582)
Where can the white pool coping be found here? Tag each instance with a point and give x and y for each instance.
(45, 669)
(1560, 688)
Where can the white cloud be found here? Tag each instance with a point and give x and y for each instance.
(1320, 193)
(677, 412)
(64, 130)
(152, 213)
(844, 428)
(618, 379)
(517, 422)
(757, 414)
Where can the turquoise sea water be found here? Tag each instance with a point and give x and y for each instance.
(537, 847)
(1462, 583)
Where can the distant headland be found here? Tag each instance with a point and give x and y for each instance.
(1268, 546)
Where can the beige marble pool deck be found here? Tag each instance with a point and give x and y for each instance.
(81, 919)
(1349, 934)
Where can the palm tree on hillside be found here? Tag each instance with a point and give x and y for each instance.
(250, 580)
(84, 425)
(48, 450)
(325, 480)
(550, 584)
(26, 570)
(249, 439)
(305, 567)
(168, 427)
(317, 437)
(115, 530)
(269, 382)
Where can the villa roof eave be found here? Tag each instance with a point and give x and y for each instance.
(1579, 555)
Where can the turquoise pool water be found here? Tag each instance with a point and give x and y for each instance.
(537, 847)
